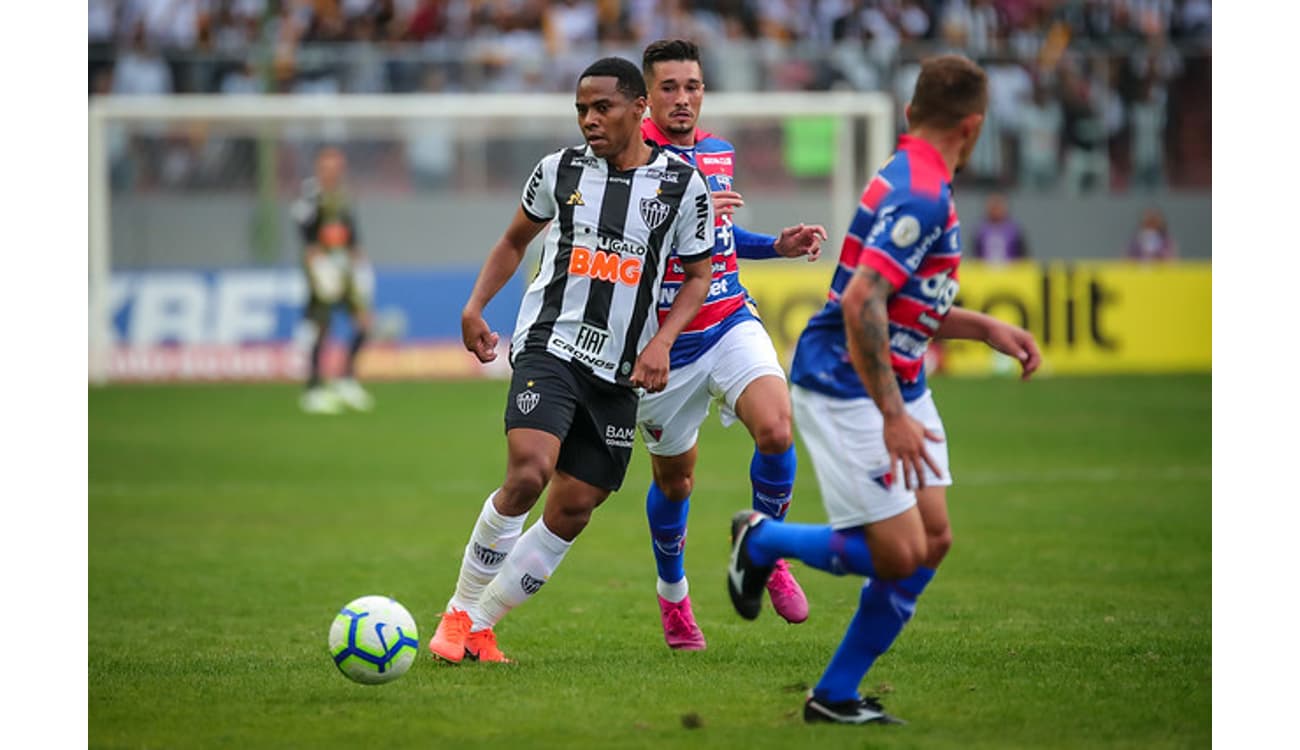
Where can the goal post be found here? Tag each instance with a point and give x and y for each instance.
(141, 147)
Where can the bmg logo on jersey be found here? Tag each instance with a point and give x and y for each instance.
(603, 266)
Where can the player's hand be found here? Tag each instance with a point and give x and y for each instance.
(905, 440)
(651, 370)
(479, 338)
(725, 202)
(1016, 342)
(803, 240)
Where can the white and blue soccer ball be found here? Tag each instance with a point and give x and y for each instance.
(373, 640)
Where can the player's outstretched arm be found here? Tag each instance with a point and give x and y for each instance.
(651, 370)
(866, 320)
(502, 261)
(1012, 341)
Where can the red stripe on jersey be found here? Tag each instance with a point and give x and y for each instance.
(935, 264)
(908, 370)
(907, 312)
(711, 313)
(850, 251)
(884, 264)
(952, 216)
(876, 191)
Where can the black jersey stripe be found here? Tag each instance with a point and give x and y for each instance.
(613, 217)
(567, 177)
(670, 194)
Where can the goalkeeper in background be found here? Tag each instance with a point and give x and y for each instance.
(337, 274)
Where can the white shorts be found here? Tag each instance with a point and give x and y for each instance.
(846, 440)
(670, 420)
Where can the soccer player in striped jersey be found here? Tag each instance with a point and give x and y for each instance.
(860, 397)
(724, 354)
(586, 339)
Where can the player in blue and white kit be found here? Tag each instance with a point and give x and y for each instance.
(861, 401)
(724, 354)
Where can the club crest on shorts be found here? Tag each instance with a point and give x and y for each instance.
(652, 432)
(654, 212)
(527, 400)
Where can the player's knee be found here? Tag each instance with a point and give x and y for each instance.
(937, 546)
(774, 436)
(901, 559)
(525, 481)
(676, 486)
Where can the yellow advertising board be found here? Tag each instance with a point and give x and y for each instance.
(1102, 317)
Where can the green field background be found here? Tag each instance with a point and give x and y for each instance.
(227, 528)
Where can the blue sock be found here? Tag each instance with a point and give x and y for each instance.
(667, 532)
(820, 547)
(772, 476)
(883, 609)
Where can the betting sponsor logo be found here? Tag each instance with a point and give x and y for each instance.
(603, 266)
(654, 212)
(906, 344)
(619, 437)
(527, 400)
(488, 556)
(942, 289)
(531, 585)
(914, 259)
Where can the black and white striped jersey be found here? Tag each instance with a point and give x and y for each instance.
(594, 296)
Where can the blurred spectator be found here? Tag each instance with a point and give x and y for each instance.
(1147, 123)
(1152, 241)
(1000, 238)
(1039, 132)
(1087, 160)
(140, 70)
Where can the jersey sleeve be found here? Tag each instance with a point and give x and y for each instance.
(896, 236)
(538, 199)
(693, 228)
(754, 245)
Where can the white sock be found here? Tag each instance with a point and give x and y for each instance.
(673, 592)
(534, 559)
(490, 543)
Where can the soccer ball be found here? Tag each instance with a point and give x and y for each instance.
(373, 640)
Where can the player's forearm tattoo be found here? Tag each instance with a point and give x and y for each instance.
(873, 339)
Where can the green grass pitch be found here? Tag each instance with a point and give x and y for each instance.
(226, 529)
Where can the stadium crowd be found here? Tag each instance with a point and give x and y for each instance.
(1086, 94)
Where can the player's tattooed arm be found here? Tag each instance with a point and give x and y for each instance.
(866, 317)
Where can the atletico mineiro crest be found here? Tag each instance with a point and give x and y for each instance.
(654, 212)
(527, 401)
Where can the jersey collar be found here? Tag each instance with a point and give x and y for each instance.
(921, 150)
